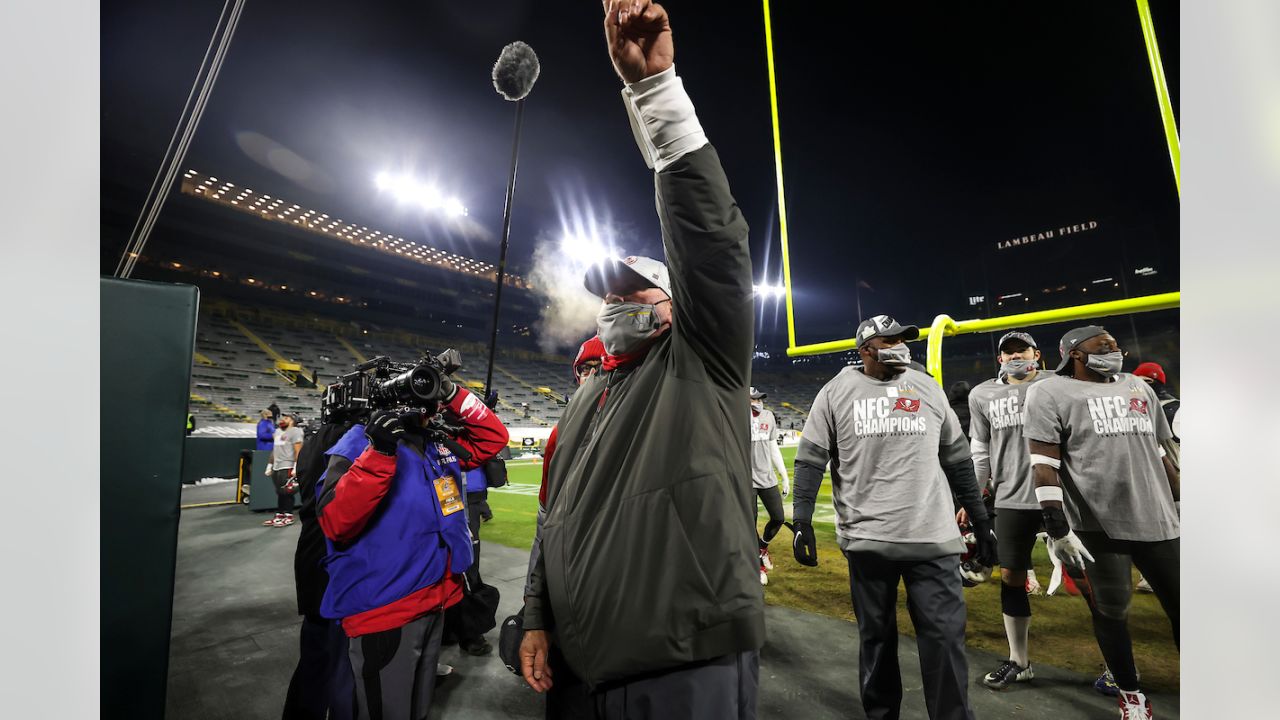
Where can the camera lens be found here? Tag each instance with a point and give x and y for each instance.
(418, 386)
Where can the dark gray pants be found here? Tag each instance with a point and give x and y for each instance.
(395, 670)
(936, 603)
(723, 688)
(322, 686)
(284, 500)
(1107, 585)
(772, 499)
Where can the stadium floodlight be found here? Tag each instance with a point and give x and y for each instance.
(585, 249)
(406, 189)
(769, 292)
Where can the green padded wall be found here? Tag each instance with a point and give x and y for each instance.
(213, 457)
(148, 337)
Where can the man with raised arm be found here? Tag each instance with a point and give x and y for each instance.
(648, 577)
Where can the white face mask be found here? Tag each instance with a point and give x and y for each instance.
(757, 405)
(625, 327)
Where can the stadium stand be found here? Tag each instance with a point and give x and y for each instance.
(239, 351)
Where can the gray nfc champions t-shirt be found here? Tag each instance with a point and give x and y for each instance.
(997, 410)
(282, 456)
(888, 440)
(764, 430)
(1113, 479)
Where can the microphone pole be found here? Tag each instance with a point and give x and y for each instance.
(506, 234)
(513, 77)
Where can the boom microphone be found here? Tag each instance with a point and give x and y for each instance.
(516, 71)
(513, 78)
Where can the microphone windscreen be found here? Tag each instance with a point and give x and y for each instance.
(515, 71)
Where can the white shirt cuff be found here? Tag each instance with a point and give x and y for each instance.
(662, 119)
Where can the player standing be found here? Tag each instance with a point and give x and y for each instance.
(897, 459)
(997, 409)
(767, 466)
(1108, 495)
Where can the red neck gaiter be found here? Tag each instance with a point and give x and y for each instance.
(624, 360)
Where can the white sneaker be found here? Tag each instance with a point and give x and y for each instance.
(765, 561)
(276, 521)
(764, 576)
(1143, 585)
(1134, 706)
(443, 670)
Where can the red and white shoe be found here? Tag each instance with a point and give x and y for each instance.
(275, 521)
(766, 562)
(286, 520)
(764, 576)
(1134, 706)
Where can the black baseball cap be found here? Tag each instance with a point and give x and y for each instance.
(885, 326)
(1017, 335)
(1072, 339)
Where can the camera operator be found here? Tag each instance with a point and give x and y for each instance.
(392, 512)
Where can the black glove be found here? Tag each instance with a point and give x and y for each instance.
(447, 389)
(986, 554)
(491, 399)
(384, 432)
(805, 544)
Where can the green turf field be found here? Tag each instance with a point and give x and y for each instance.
(1061, 633)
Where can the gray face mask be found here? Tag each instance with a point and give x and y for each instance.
(625, 327)
(1019, 368)
(1107, 364)
(896, 355)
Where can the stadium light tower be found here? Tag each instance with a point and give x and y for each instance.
(765, 291)
(584, 249)
(408, 190)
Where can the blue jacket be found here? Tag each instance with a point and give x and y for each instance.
(266, 434)
(407, 545)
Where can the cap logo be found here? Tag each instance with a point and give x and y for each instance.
(885, 321)
(867, 332)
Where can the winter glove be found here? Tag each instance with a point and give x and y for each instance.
(1069, 550)
(987, 554)
(1062, 541)
(447, 389)
(805, 544)
(384, 432)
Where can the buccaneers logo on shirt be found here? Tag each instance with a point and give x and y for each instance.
(1138, 405)
(907, 404)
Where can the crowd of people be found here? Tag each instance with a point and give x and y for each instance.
(652, 452)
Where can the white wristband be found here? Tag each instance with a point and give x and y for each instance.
(662, 119)
(1037, 459)
(1049, 493)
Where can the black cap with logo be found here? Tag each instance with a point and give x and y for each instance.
(1072, 340)
(885, 326)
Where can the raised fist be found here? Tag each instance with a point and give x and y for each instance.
(639, 38)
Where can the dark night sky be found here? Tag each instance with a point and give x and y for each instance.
(915, 136)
